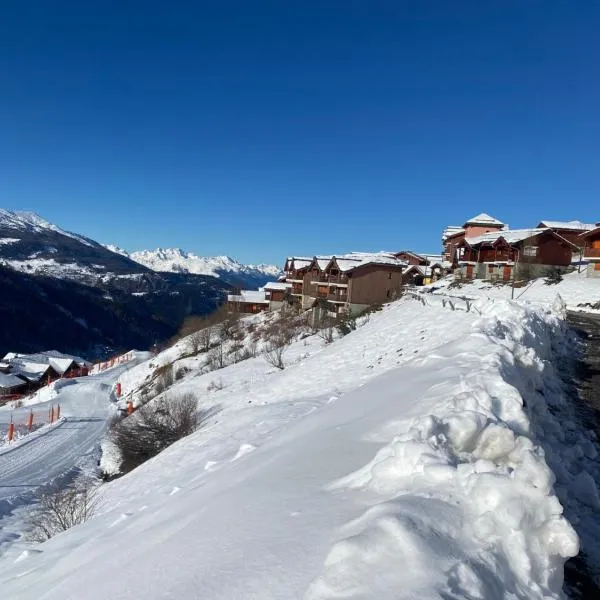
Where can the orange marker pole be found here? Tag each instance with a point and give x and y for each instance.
(57, 412)
(129, 407)
(52, 414)
(49, 415)
(30, 420)
(11, 431)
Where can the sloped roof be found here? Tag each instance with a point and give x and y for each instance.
(451, 231)
(512, 236)
(576, 225)
(591, 231)
(277, 285)
(9, 380)
(253, 296)
(483, 219)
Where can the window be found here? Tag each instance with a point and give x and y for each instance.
(530, 251)
(387, 293)
(389, 275)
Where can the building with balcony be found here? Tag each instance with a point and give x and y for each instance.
(512, 254)
(591, 250)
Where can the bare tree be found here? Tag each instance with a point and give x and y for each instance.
(60, 509)
(154, 427)
(275, 348)
(164, 378)
(217, 358)
(327, 329)
(205, 339)
(194, 342)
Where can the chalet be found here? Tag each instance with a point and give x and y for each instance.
(424, 274)
(350, 283)
(11, 386)
(510, 254)
(591, 250)
(294, 270)
(277, 292)
(570, 230)
(453, 236)
(64, 365)
(411, 258)
(248, 302)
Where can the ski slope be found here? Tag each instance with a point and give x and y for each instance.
(405, 460)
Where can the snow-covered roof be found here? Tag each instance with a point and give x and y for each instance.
(512, 236)
(8, 380)
(300, 262)
(351, 261)
(57, 360)
(483, 219)
(29, 370)
(576, 225)
(253, 296)
(450, 231)
(277, 285)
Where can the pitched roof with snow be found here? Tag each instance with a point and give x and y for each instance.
(451, 231)
(251, 296)
(277, 285)
(484, 219)
(513, 236)
(8, 380)
(573, 225)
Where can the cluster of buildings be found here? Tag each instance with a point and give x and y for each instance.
(486, 248)
(25, 373)
(340, 284)
(482, 248)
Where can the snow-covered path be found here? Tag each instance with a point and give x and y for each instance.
(53, 453)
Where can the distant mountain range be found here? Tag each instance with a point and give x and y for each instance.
(175, 260)
(67, 292)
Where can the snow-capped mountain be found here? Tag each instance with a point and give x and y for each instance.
(176, 260)
(65, 290)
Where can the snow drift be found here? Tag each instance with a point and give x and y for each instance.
(422, 477)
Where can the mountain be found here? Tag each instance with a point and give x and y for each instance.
(66, 291)
(175, 260)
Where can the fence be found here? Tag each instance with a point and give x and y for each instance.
(33, 421)
(112, 362)
(462, 303)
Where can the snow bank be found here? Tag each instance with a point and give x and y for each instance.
(422, 477)
(577, 290)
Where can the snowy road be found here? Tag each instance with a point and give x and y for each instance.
(54, 453)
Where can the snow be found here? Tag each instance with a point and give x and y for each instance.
(403, 460)
(180, 261)
(6, 241)
(30, 221)
(576, 289)
(483, 219)
(48, 266)
(568, 225)
(249, 296)
(276, 285)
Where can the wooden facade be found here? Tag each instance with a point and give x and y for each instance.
(591, 251)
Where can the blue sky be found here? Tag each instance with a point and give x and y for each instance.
(260, 129)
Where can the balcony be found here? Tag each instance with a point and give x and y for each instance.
(325, 279)
(591, 253)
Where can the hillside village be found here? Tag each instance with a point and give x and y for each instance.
(482, 248)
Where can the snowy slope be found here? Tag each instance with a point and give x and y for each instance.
(178, 261)
(577, 290)
(402, 461)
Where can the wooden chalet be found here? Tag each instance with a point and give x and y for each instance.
(454, 236)
(571, 230)
(511, 254)
(248, 302)
(591, 250)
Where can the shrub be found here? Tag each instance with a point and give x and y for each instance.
(326, 329)
(181, 373)
(346, 324)
(216, 357)
(60, 509)
(554, 276)
(154, 427)
(164, 378)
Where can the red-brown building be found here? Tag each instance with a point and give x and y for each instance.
(570, 230)
(479, 225)
(591, 250)
(511, 254)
